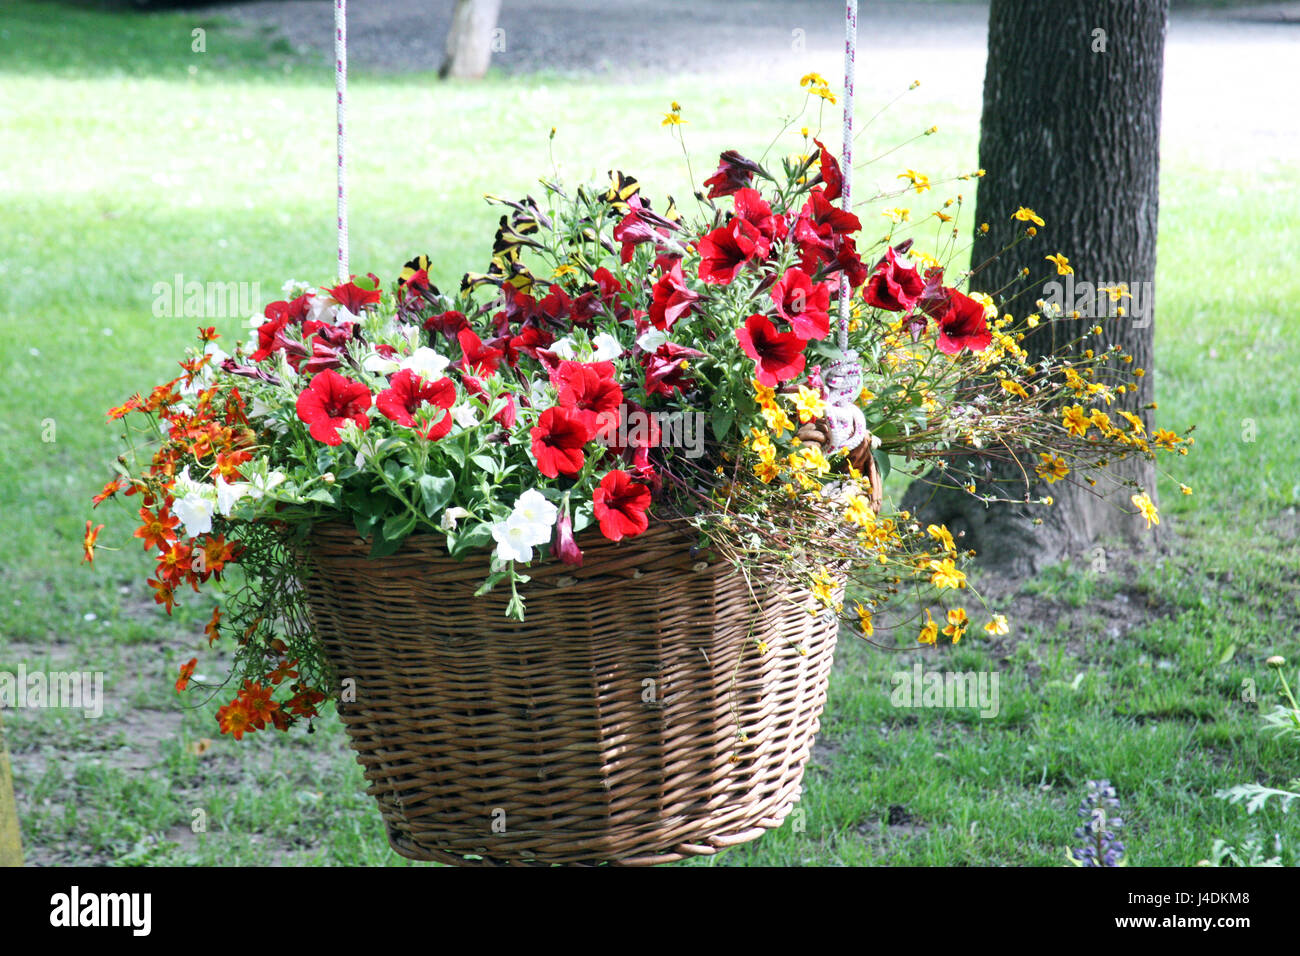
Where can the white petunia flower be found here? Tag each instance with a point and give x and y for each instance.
(651, 339)
(426, 363)
(536, 514)
(195, 512)
(379, 365)
(464, 415)
(513, 541)
(607, 348)
(228, 494)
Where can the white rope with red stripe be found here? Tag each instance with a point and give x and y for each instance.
(843, 378)
(341, 91)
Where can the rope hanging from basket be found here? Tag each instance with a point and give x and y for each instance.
(341, 96)
(843, 378)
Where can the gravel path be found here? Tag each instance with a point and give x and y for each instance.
(1229, 73)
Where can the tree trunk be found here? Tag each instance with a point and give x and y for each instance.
(471, 39)
(1071, 129)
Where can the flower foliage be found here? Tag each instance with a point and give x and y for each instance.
(615, 364)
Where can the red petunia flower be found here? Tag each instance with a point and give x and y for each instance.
(673, 299)
(354, 298)
(477, 358)
(892, 286)
(754, 209)
(832, 178)
(725, 250)
(804, 305)
(620, 504)
(407, 393)
(961, 321)
(558, 440)
(779, 355)
(594, 395)
(449, 324)
(329, 402)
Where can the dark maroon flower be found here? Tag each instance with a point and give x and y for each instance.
(892, 286)
(734, 173)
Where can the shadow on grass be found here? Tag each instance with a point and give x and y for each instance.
(83, 38)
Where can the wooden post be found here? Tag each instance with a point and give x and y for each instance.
(11, 846)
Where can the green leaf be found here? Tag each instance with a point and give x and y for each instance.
(474, 537)
(435, 492)
(325, 495)
(882, 462)
(485, 463)
(722, 421)
(492, 581)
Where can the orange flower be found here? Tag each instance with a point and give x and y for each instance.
(89, 542)
(211, 629)
(257, 702)
(164, 594)
(234, 719)
(157, 529)
(130, 405)
(217, 553)
(228, 464)
(187, 671)
(283, 672)
(110, 489)
(174, 564)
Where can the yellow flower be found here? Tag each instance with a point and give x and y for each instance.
(941, 534)
(864, 619)
(1100, 419)
(809, 404)
(1075, 421)
(1147, 508)
(946, 574)
(1025, 214)
(767, 471)
(813, 79)
(815, 461)
(1015, 388)
(919, 181)
(777, 420)
(1165, 438)
(930, 632)
(859, 512)
(1184, 489)
(1135, 422)
(824, 588)
(763, 394)
(897, 215)
(1063, 267)
(998, 625)
(956, 624)
(1051, 468)
(673, 119)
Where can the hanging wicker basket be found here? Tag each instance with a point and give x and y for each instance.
(631, 719)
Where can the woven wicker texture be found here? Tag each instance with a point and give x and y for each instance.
(630, 719)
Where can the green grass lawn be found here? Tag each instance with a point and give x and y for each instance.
(129, 160)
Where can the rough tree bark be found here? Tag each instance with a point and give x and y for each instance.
(469, 41)
(1071, 129)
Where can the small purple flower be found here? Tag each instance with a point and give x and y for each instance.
(1100, 846)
